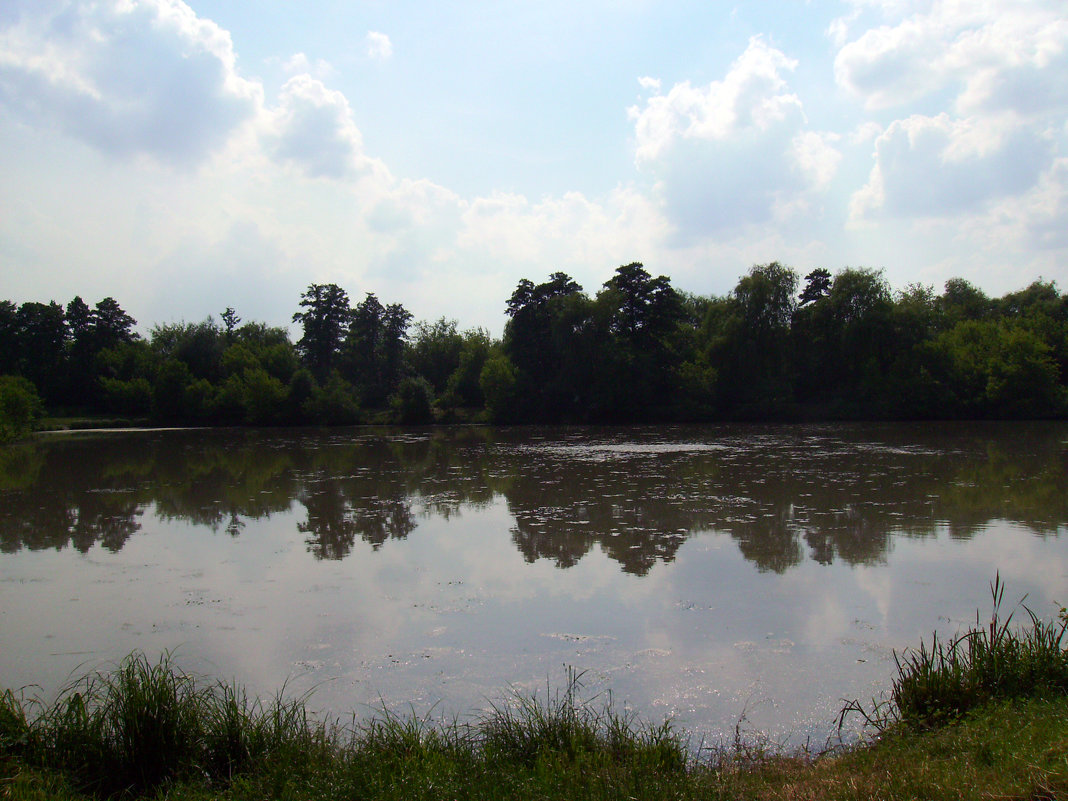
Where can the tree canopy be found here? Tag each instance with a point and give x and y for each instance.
(776, 347)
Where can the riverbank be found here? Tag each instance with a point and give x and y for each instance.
(1014, 749)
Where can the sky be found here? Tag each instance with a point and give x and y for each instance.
(188, 157)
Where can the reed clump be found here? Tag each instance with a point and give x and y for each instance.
(148, 723)
(998, 660)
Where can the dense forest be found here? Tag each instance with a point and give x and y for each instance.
(777, 347)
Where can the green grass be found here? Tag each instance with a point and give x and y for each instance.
(987, 662)
(982, 716)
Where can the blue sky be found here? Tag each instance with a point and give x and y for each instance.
(187, 157)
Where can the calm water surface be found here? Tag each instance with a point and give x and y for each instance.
(714, 575)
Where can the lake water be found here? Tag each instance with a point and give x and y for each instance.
(719, 576)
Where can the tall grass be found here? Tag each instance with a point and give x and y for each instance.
(147, 723)
(561, 727)
(987, 662)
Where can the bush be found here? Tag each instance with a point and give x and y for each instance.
(332, 404)
(413, 400)
(20, 407)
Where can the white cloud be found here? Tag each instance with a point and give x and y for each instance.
(982, 90)
(752, 97)
(137, 77)
(816, 157)
(734, 152)
(379, 47)
(313, 127)
(300, 64)
(937, 166)
(1036, 220)
(992, 56)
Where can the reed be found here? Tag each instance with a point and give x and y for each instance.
(562, 727)
(148, 723)
(997, 660)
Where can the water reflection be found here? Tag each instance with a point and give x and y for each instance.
(783, 494)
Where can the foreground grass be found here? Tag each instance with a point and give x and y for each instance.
(1014, 749)
(983, 716)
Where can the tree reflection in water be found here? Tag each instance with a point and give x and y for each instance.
(782, 493)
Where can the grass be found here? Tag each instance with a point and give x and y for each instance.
(983, 715)
(985, 663)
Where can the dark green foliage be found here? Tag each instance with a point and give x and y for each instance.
(463, 387)
(20, 407)
(255, 395)
(413, 400)
(41, 342)
(302, 389)
(817, 285)
(643, 314)
(752, 345)
(533, 346)
(434, 352)
(9, 338)
(334, 403)
(373, 349)
(999, 368)
(325, 320)
(498, 384)
(230, 321)
(845, 347)
(199, 346)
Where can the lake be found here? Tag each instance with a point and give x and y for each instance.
(720, 576)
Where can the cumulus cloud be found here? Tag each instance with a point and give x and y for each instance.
(938, 166)
(379, 47)
(300, 64)
(313, 127)
(133, 77)
(993, 56)
(998, 70)
(733, 152)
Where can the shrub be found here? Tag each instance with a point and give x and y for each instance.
(413, 400)
(20, 407)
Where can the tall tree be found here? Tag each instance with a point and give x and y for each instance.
(395, 322)
(374, 349)
(111, 325)
(230, 321)
(753, 347)
(531, 348)
(435, 351)
(42, 338)
(325, 320)
(643, 317)
(817, 285)
(9, 340)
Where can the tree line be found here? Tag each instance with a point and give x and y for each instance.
(776, 347)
